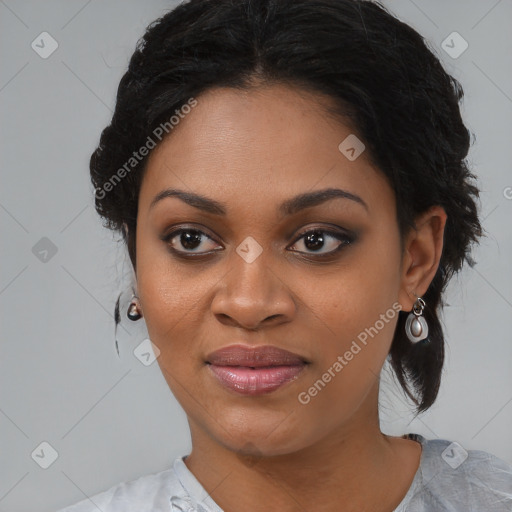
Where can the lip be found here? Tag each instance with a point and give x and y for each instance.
(254, 370)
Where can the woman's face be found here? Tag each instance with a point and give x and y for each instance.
(256, 267)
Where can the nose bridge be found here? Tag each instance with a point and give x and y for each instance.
(252, 280)
(252, 272)
(253, 290)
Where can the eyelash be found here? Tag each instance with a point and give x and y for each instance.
(344, 239)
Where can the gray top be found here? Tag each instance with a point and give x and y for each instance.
(449, 479)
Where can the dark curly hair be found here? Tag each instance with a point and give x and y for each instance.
(381, 74)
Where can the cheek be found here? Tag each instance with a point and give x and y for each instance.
(167, 294)
(169, 304)
(356, 296)
(356, 311)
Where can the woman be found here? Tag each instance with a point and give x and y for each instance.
(289, 178)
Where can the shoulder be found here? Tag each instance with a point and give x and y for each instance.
(453, 478)
(147, 493)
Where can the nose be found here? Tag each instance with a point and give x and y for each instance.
(253, 296)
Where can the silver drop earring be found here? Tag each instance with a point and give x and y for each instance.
(416, 326)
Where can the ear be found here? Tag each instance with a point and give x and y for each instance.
(423, 246)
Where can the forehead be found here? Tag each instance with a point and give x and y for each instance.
(273, 141)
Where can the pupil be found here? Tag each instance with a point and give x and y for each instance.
(190, 241)
(314, 240)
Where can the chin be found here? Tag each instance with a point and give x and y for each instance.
(262, 437)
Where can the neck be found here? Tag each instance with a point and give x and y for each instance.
(356, 466)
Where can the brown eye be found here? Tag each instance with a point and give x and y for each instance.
(192, 241)
(322, 242)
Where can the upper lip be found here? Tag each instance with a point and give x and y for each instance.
(256, 357)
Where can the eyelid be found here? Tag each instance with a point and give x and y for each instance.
(177, 230)
(334, 231)
(173, 230)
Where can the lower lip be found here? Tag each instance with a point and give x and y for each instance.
(258, 381)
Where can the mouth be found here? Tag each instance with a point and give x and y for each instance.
(255, 370)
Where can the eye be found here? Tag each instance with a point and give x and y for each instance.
(189, 241)
(317, 239)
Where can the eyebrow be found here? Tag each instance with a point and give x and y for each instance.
(288, 207)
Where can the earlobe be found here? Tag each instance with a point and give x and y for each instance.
(423, 248)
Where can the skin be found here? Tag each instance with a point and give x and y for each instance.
(252, 150)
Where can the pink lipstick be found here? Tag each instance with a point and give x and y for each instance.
(254, 370)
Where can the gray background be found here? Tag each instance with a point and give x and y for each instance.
(113, 419)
